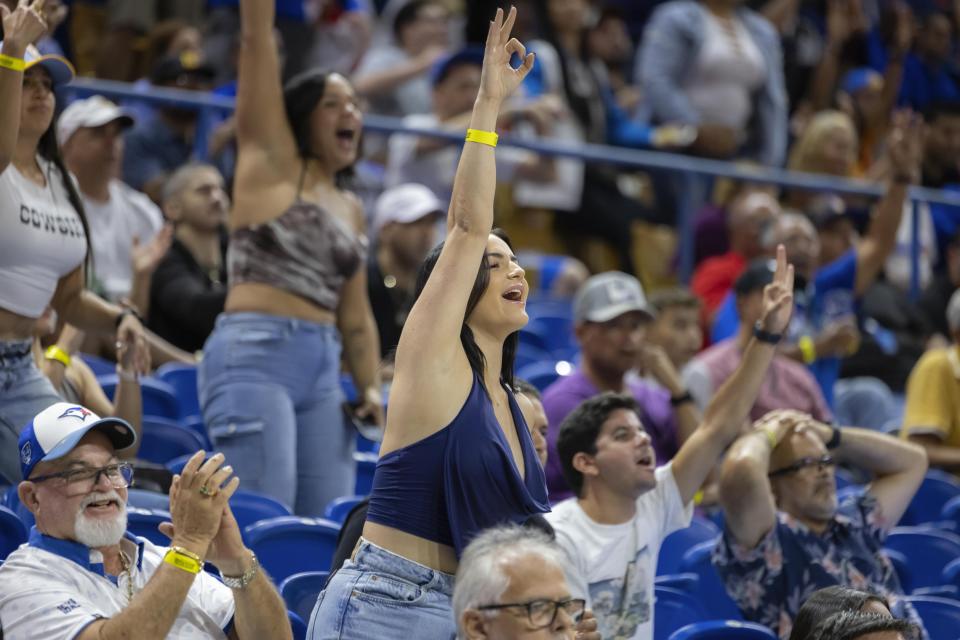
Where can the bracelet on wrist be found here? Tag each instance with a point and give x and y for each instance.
(12, 63)
(241, 581)
(126, 311)
(765, 336)
(57, 354)
(683, 398)
(488, 138)
(808, 349)
(183, 559)
(835, 439)
(127, 376)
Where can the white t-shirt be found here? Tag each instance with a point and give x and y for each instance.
(113, 225)
(614, 564)
(41, 239)
(53, 589)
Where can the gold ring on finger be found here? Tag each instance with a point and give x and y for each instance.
(205, 491)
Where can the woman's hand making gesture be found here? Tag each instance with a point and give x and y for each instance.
(499, 79)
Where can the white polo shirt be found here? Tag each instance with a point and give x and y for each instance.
(53, 589)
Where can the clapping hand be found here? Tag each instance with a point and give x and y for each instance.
(778, 296)
(498, 79)
(24, 25)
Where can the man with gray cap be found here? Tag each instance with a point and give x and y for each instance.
(611, 315)
(124, 223)
(404, 224)
(83, 576)
(932, 414)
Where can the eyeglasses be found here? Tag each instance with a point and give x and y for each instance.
(823, 461)
(81, 481)
(542, 613)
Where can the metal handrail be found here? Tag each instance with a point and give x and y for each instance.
(683, 165)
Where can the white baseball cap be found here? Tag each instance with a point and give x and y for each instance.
(94, 111)
(404, 204)
(55, 431)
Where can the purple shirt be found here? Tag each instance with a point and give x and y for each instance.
(563, 396)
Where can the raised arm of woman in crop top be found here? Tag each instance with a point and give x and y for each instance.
(21, 27)
(429, 354)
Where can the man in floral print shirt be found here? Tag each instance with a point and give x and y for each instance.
(787, 537)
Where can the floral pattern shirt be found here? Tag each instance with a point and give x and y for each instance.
(771, 581)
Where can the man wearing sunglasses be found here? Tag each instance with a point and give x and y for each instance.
(83, 576)
(786, 535)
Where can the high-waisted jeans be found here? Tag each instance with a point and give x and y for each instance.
(272, 402)
(381, 595)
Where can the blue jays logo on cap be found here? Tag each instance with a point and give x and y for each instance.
(75, 412)
(26, 453)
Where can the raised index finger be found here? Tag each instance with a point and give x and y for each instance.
(38, 6)
(781, 271)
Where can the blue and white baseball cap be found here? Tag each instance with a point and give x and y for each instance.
(56, 430)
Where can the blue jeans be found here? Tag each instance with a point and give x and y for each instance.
(378, 594)
(24, 392)
(271, 399)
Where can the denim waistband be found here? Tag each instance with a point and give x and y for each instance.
(15, 352)
(241, 319)
(370, 557)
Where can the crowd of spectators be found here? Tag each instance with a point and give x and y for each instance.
(280, 246)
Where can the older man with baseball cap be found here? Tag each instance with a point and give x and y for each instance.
(404, 224)
(611, 315)
(90, 132)
(82, 575)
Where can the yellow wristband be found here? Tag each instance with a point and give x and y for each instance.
(698, 497)
(488, 138)
(771, 438)
(14, 64)
(183, 559)
(54, 352)
(807, 350)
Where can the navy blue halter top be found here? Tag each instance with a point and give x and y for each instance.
(460, 480)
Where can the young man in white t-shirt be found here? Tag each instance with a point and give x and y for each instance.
(612, 531)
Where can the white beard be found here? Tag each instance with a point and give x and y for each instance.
(100, 532)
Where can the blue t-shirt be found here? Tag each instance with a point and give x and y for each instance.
(829, 298)
(923, 86)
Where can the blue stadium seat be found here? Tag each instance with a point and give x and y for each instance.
(13, 532)
(902, 566)
(927, 550)
(941, 616)
(540, 305)
(300, 591)
(679, 542)
(338, 508)
(366, 465)
(686, 582)
(164, 440)
(937, 489)
(349, 390)
(98, 365)
(724, 630)
(195, 424)
(710, 589)
(543, 374)
(250, 507)
(557, 329)
(366, 446)
(159, 398)
(673, 610)
(12, 501)
(144, 523)
(183, 379)
(534, 336)
(528, 354)
(147, 499)
(951, 573)
(298, 626)
(289, 544)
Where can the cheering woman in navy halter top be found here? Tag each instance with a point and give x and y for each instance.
(456, 457)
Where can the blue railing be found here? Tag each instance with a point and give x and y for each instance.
(688, 168)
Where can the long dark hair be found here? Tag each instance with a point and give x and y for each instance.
(49, 150)
(474, 356)
(824, 603)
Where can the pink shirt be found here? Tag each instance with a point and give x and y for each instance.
(787, 385)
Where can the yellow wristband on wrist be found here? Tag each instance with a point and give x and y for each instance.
(771, 438)
(183, 559)
(54, 352)
(488, 138)
(14, 64)
(807, 350)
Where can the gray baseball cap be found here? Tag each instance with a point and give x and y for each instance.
(607, 295)
(953, 312)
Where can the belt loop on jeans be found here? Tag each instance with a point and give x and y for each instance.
(356, 548)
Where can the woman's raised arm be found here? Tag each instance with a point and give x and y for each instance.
(21, 27)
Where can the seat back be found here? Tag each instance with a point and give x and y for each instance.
(250, 507)
(338, 508)
(297, 626)
(300, 591)
(557, 329)
(928, 550)
(941, 616)
(543, 374)
(164, 440)
(673, 610)
(710, 589)
(366, 465)
(11, 500)
(183, 379)
(143, 499)
(287, 544)
(935, 491)
(145, 523)
(724, 630)
(13, 532)
(679, 542)
(159, 398)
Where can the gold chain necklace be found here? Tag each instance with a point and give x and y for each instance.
(129, 575)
